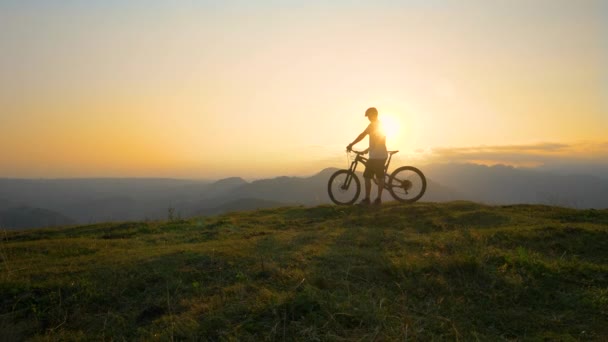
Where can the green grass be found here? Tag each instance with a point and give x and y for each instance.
(453, 271)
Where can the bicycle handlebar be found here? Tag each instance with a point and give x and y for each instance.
(362, 152)
(357, 152)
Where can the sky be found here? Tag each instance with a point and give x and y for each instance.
(211, 89)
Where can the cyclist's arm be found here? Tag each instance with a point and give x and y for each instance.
(359, 138)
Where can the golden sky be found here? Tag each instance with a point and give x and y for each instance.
(266, 88)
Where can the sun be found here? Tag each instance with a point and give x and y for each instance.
(390, 126)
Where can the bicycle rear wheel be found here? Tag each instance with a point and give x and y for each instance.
(407, 184)
(343, 187)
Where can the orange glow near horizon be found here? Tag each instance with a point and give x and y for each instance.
(184, 90)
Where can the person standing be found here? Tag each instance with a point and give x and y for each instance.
(377, 155)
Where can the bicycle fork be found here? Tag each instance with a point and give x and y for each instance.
(349, 176)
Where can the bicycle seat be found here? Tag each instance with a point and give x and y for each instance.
(393, 152)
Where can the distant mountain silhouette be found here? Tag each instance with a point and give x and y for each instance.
(580, 169)
(502, 184)
(27, 217)
(4, 203)
(284, 190)
(436, 192)
(223, 186)
(106, 209)
(446, 182)
(96, 200)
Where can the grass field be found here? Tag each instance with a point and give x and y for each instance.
(450, 271)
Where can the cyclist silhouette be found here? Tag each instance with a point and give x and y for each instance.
(377, 155)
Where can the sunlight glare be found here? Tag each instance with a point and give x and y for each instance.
(390, 126)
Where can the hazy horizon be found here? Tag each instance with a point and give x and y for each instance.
(257, 89)
(592, 160)
(40, 202)
(597, 169)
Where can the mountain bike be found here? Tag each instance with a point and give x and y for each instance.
(406, 184)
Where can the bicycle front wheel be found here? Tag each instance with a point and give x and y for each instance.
(407, 184)
(343, 187)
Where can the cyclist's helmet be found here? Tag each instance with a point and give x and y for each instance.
(371, 111)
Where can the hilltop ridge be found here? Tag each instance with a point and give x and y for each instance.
(456, 270)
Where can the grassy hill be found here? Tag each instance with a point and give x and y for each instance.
(452, 271)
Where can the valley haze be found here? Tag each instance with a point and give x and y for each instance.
(32, 203)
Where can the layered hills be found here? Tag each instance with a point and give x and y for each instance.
(101, 200)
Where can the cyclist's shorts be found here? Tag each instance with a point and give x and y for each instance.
(374, 167)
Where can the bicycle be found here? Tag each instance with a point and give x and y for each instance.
(406, 184)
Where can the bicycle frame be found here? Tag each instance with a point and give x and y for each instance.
(360, 159)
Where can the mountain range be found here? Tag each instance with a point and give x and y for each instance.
(26, 203)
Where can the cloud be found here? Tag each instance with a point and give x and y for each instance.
(582, 157)
(531, 155)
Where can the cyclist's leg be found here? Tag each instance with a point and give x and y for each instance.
(378, 170)
(368, 174)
